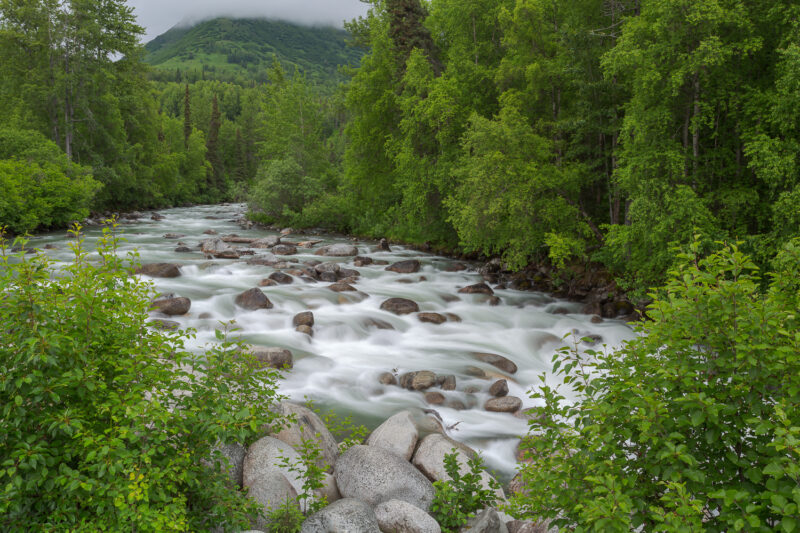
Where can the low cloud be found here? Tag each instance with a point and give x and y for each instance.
(157, 16)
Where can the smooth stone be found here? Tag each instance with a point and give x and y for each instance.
(377, 323)
(172, 306)
(503, 363)
(174, 236)
(307, 426)
(284, 249)
(327, 267)
(342, 287)
(519, 526)
(306, 318)
(448, 382)
(478, 288)
(267, 283)
(307, 330)
(432, 318)
(330, 277)
(421, 380)
(264, 457)
(499, 388)
(266, 242)
(347, 515)
(400, 306)
(271, 490)
(398, 434)
(452, 317)
(374, 475)
(183, 250)
(349, 273)
(434, 398)
(268, 259)
(218, 248)
(234, 453)
(272, 357)
(507, 404)
(159, 270)
(361, 261)
(281, 277)
(253, 299)
(338, 250)
(396, 516)
(387, 378)
(233, 238)
(487, 521)
(404, 267)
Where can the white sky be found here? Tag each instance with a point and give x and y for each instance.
(157, 16)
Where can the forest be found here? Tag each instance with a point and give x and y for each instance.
(659, 139)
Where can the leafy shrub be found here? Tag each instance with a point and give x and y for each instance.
(288, 518)
(308, 467)
(692, 426)
(458, 499)
(281, 189)
(105, 423)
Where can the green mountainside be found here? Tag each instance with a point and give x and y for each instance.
(243, 49)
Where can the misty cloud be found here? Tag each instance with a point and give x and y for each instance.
(157, 16)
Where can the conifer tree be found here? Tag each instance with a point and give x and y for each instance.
(215, 173)
(187, 117)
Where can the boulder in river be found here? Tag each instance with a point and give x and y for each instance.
(267, 283)
(342, 287)
(345, 515)
(401, 517)
(400, 306)
(266, 242)
(478, 288)
(361, 261)
(281, 278)
(174, 235)
(387, 378)
(374, 476)
(338, 250)
(432, 318)
(434, 398)
(499, 388)
(404, 267)
(506, 404)
(383, 245)
(306, 318)
(253, 299)
(172, 305)
(330, 267)
(183, 250)
(306, 330)
(503, 363)
(284, 249)
(273, 357)
(398, 434)
(422, 380)
(159, 270)
(219, 249)
(447, 382)
(307, 426)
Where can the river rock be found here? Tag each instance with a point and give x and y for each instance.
(507, 404)
(387, 378)
(210, 232)
(164, 325)
(174, 236)
(307, 330)
(342, 287)
(376, 323)
(374, 475)
(267, 283)
(404, 267)
(233, 238)
(383, 245)
(499, 388)
(281, 277)
(219, 249)
(253, 299)
(429, 459)
(338, 250)
(503, 363)
(400, 306)
(475, 372)
(432, 318)
(329, 277)
(183, 250)
(452, 317)
(306, 318)
(424, 379)
(329, 490)
(398, 434)
(157, 217)
(307, 426)
(447, 382)
(264, 457)
(327, 267)
(266, 242)
(172, 306)
(361, 261)
(349, 273)
(456, 267)
(344, 516)
(287, 231)
(159, 270)
(487, 521)
(478, 288)
(272, 357)
(284, 249)
(271, 490)
(434, 398)
(397, 516)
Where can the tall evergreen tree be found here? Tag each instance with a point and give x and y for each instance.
(187, 117)
(216, 172)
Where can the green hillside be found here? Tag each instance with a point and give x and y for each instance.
(243, 49)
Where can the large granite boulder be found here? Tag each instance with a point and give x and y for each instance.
(264, 457)
(219, 249)
(271, 490)
(398, 434)
(396, 516)
(404, 267)
(338, 250)
(344, 516)
(308, 426)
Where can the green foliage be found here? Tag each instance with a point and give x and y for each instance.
(460, 497)
(310, 467)
(343, 429)
(108, 424)
(288, 518)
(692, 426)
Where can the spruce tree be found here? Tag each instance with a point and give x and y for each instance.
(215, 173)
(187, 117)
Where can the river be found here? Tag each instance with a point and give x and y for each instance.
(339, 366)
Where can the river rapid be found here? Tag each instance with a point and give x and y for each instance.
(339, 366)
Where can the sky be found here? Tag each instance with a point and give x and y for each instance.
(157, 16)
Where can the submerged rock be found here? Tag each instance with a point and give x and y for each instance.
(400, 306)
(478, 288)
(281, 278)
(503, 363)
(273, 357)
(404, 267)
(432, 318)
(253, 299)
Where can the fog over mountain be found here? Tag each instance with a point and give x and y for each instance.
(157, 16)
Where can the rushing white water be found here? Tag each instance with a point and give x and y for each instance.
(339, 366)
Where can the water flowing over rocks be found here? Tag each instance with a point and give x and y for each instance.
(338, 250)
(159, 270)
(400, 306)
(219, 249)
(405, 267)
(253, 299)
(172, 305)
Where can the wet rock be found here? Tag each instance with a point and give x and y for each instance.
(219, 249)
(456, 267)
(267, 283)
(210, 232)
(281, 277)
(472, 389)
(327, 267)
(306, 318)
(157, 217)
(434, 398)
(387, 378)
(503, 363)
(287, 231)
(174, 236)
(596, 319)
(266, 242)
(307, 330)
(361, 261)
(499, 388)
(172, 306)
(308, 244)
(404, 267)
(494, 301)
(159, 270)
(398, 434)
(253, 299)
(476, 372)
(380, 262)
(233, 238)
(507, 404)
(272, 357)
(383, 245)
(284, 249)
(447, 382)
(486, 521)
(478, 288)
(205, 316)
(424, 379)
(452, 317)
(458, 405)
(400, 306)
(374, 476)
(346, 515)
(397, 516)
(329, 277)
(50, 247)
(432, 318)
(349, 273)
(183, 250)
(164, 325)
(337, 250)
(307, 426)
(268, 259)
(377, 323)
(341, 287)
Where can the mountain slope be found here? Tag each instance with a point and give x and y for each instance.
(225, 48)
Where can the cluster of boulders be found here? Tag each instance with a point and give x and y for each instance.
(383, 485)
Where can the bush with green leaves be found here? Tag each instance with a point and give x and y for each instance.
(343, 429)
(457, 499)
(107, 424)
(692, 426)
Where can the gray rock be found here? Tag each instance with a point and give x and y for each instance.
(281, 278)
(237, 239)
(329, 489)
(404, 267)
(264, 457)
(503, 363)
(400, 306)
(344, 516)
(398, 434)
(272, 357)
(327, 267)
(374, 475)
(487, 521)
(387, 378)
(271, 490)
(519, 526)
(284, 249)
(432, 318)
(396, 516)
(234, 453)
(172, 306)
(253, 299)
(383, 245)
(478, 288)
(429, 459)
(159, 270)
(424, 379)
(306, 318)
(266, 242)
(499, 388)
(268, 259)
(339, 250)
(308, 426)
(218, 248)
(507, 404)
(330, 277)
